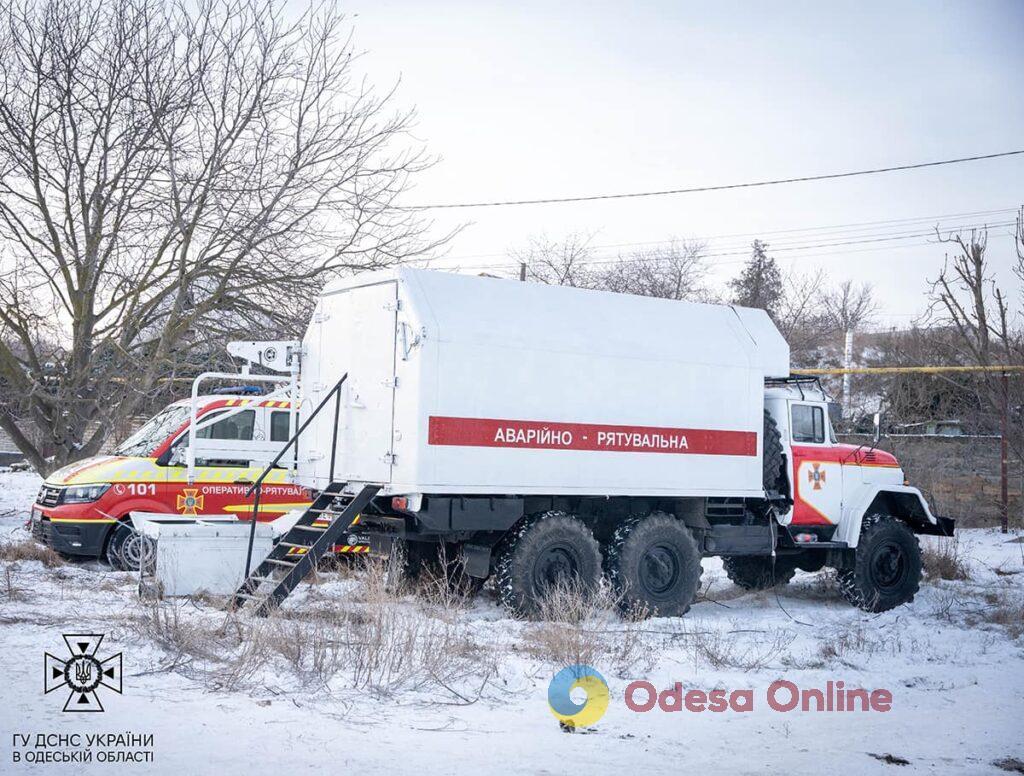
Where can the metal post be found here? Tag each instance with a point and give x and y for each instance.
(334, 433)
(522, 271)
(1004, 494)
(252, 528)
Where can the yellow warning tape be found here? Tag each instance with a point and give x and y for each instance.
(906, 370)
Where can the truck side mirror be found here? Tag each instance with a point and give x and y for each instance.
(877, 420)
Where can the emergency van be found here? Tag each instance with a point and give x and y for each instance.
(83, 509)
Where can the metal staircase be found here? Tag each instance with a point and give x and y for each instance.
(298, 551)
(331, 515)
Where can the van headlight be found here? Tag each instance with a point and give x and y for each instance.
(83, 494)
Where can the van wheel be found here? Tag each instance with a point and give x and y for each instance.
(541, 553)
(128, 550)
(758, 572)
(654, 566)
(887, 566)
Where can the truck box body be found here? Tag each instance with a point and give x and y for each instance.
(472, 385)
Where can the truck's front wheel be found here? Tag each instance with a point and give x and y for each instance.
(887, 566)
(654, 565)
(541, 553)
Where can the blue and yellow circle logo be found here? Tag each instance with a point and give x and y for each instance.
(569, 711)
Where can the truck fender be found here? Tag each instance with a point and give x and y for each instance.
(126, 507)
(901, 501)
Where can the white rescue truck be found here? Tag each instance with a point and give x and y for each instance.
(539, 433)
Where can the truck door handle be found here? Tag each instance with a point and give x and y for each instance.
(243, 481)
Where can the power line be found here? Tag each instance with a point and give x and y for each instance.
(724, 187)
(836, 228)
(744, 251)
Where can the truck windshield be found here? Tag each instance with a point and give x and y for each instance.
(154, 431)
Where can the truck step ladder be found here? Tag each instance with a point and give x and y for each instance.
(273, 579)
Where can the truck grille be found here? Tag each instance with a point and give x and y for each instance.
(49, 496)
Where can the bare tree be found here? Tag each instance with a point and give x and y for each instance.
(1018, 243)
(565, 263)
(676, 270)
(801, 317)
(849, 306)
(171, 175)
(966, 301)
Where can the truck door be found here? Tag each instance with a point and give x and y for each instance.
(817, 471)
(358, 336)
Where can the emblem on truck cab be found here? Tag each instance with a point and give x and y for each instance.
(816, 476)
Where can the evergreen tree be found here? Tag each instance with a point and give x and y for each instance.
(760, 282)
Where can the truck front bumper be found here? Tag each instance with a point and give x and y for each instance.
(85, 538)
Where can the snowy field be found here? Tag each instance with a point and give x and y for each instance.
(348, 676)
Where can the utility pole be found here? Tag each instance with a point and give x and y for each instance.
(847, 364)
(522, 271)
(1004, 494)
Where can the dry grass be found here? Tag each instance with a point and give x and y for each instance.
(1003, 608)
(380, 644)
(576, 626)
(944, 558)
(10, 590)
(29, 549)
(745, 651)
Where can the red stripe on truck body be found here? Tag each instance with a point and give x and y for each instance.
(540, 435)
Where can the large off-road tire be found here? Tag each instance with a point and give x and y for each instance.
(127, 549)
(772, 459)
(545, 550)
(758, 572)
(887, 566)
(653, 563)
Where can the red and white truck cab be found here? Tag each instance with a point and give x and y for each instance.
(82, 508)
(831, 484)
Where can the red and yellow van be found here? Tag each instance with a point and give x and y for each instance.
(82, 509)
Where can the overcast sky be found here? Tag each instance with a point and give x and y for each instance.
(537, 99)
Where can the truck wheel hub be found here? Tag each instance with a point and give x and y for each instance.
(137, 551)
(556, 564)
(889, 566)
(659, 570)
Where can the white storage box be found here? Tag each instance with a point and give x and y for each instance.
(202, 555)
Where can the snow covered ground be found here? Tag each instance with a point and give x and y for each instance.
(431, 688)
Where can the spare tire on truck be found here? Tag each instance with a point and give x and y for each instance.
(541, 553)
(772, 460)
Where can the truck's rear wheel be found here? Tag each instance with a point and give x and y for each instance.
(887, 566)
(544, 551)
(654, 565)
(758, 572)
(128, 550)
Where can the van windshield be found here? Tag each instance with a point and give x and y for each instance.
(154, 431)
